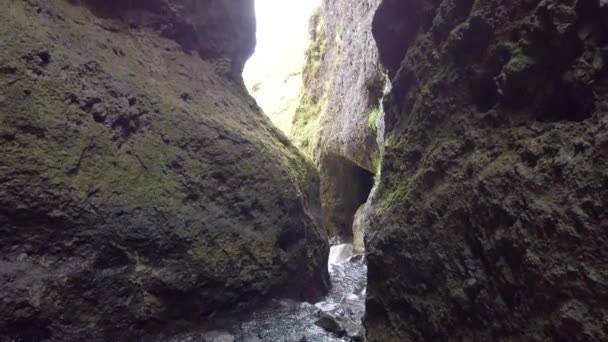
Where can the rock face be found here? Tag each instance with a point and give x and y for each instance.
(140, 185)
(490, 220)
(339, 108)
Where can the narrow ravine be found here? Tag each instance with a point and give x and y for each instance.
(414, 170)
(337, 317)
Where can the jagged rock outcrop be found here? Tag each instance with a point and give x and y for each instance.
(490, 221)
(337, 117)
(140, 185)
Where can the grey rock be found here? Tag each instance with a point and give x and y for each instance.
(343, 85)
(330, 323)
(486, 219)
(136, 209)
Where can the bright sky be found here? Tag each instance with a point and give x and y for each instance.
(282, 34)
(276, 66)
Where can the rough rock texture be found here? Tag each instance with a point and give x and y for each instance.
(352, 68)
(339, 108)
(214, 29)
(139, 184)
(490, 222)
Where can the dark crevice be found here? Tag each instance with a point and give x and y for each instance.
(345, 188)
(400, 21)
(569, 104)
(28, 329)
(484, 92)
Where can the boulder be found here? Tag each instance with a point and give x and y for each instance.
(140, 185)
(330, 323)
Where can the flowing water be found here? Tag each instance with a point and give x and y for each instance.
(341, 311)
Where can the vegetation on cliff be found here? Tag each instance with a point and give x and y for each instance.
(313, 97)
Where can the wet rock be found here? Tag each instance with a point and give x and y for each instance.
(330, 323)
(123, 209)
(354, 331)
(326, 307)
(341, 326)
(359, 258)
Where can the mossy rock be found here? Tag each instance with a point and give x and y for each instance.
(139, 183)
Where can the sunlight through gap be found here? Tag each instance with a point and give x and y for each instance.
(273, 74)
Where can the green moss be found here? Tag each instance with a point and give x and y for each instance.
(405, 177)
(391, 140)
(151, 303)
(519, 64)
(306, 124)
(152, 189)
(314, 93)
(315, 54)
(249, 250)
(373, 117)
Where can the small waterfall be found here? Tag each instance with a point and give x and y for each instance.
(339, 254)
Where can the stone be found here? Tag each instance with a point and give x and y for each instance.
(330, 323)
(485, 216)
(337, 119)
(359, 258)
(324, 307)
(355, 332)
(151, 210)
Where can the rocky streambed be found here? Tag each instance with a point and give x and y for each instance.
(337, 317)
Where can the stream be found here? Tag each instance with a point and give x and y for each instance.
(336, 318)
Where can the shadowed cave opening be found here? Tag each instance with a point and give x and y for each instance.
(348, 188)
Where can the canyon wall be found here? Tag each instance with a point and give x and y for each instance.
(490, 218)
(140, 185)
(336, 121)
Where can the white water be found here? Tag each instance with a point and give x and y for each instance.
(339, 254)
(290, 321)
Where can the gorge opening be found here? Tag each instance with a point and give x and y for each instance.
(273, 74)
(303, 64)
